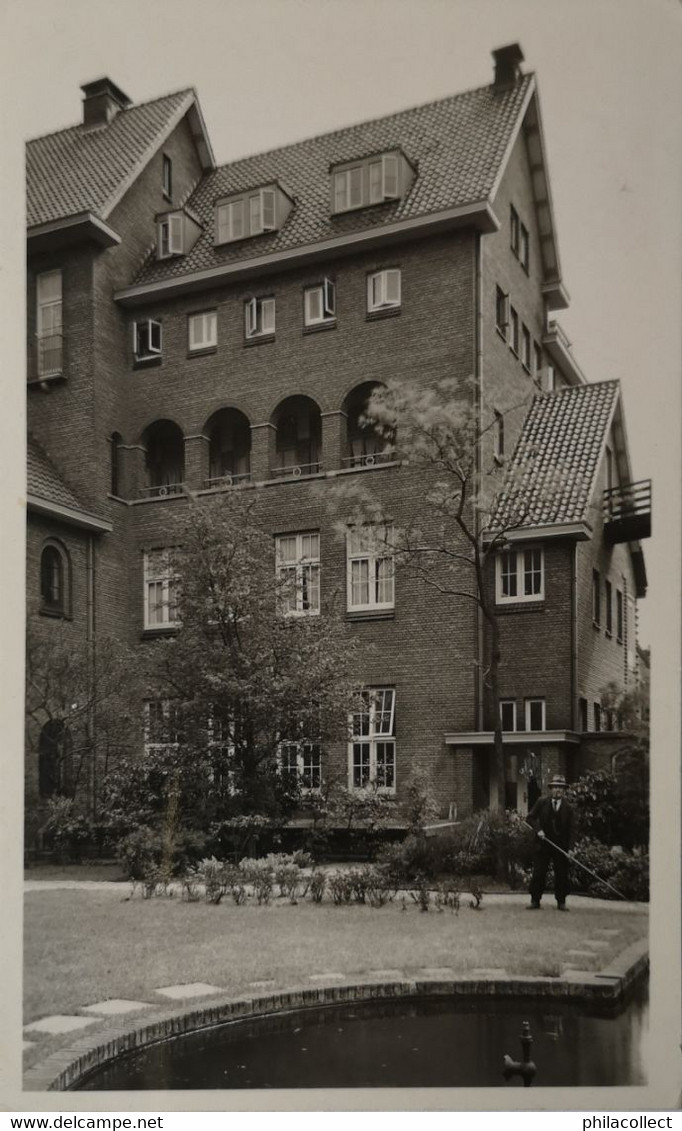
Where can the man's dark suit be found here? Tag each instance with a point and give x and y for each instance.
(558, 827)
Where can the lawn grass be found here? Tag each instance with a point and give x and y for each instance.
(85, 946)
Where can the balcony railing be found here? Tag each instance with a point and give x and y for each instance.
(370, 459)
(228, 480)
(49, 354)
(161, 490)
(627, 512)
(295, 471)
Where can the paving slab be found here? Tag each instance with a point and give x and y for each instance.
(263, 985)
(435, 971)
(58, 1023)
(116, 1005)
(189, 989)
(581, 954)
(489, 972)
(597, 944)
(325, 977)
(389, 975)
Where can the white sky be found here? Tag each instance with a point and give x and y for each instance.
(272, 71)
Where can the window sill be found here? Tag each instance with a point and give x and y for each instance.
(161, 630)
(502, 332)
(499, 460)
(596, 626)
(202, 352)
(619, 640)
(259, 340)
(370, 614)
(514, 351)
(608, 635)
(385, 312)
(48, 379)
(328, 324)
(526, 367)
(147, 362)
(55, 614)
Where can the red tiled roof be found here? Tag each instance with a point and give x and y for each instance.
(457, 146)
(82, 169)
(551, 474)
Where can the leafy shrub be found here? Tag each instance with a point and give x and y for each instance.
(138, 852)
(447, 896)
(66, 829)
(258, 873)
(380, 889)
(613, 807)
(627, 872)
(318, 883)
(340, 887)
(421, 894)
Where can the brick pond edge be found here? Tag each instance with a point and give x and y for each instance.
(67, 1066)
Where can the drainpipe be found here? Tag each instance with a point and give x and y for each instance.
(92, 675)
(478, 394)
(574, 637)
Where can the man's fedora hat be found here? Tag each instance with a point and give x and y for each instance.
(559, 780)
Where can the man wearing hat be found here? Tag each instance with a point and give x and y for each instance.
(553, 819)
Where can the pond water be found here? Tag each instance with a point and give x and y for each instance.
(426, 1042)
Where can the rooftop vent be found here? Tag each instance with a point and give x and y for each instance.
(508, 62)
(102, 101)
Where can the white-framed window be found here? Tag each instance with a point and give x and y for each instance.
(383, 289)
(372, 755)
(170, 233)
(521, 575)
(161, 608)
(551, 379)
(248, 214)
(303, 760)
(298, 569)
(508, 714)
(535, 714)
(526, 359)
(501, 311)
(537, 361)
(167, 177)
(514, 323)
(259, 316)
(498, 435)
(370, 181)
(319, 303)
(524, 246)
(370, 568)
(146, 339)
(202, 330)
(160, 720)
(49, 322)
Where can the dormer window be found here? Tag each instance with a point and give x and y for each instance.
(372, 180)
(251, 213)
(170, 235)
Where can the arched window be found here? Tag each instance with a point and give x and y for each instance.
(54, 760)
(364, 444)
(54, 581)
(298, 446)
(165, 459)
(229, 447)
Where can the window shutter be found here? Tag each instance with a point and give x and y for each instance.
(355, 177)
(154, 336)
(175, 231)
(376, 190)
(390, 178)
(340, 192)
(329, 297)
(313, 305)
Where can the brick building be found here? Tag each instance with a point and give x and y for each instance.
(203, 328)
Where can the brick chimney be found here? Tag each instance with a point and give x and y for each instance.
(102, 100)
(508, 62)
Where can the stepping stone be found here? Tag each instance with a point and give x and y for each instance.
(116, 1005)
(436, 971)
(262, 985)
(581, 953)
(189, 989)
(597, 944)
(58, 1023)
(324, 977)
(491, 972)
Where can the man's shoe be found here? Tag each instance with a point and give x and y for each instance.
(534, 905)
(561, 907)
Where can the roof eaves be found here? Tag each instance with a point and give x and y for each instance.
(478, 212)
(69, 515)
(513, 135)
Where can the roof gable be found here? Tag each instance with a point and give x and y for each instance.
(83, 169)
(551, 475)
